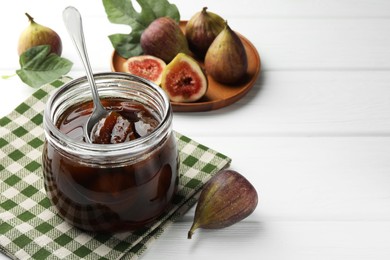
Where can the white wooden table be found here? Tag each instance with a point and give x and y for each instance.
(313, 135)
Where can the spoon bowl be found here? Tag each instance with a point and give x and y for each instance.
(74, 25)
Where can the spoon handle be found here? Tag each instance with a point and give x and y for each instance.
(74, 25)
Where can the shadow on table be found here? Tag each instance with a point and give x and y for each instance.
(246, 100)
(230, 237)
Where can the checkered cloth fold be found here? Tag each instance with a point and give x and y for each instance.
(29, 225)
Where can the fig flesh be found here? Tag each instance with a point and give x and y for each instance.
(184, 80)
(201, 30)
(113, 129)
(124, 125)
(164, 39)
(227, 198)
(36, 34)
(145, 66)
(226, 59)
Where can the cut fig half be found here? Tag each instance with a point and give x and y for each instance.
(145, 66)
(183, 79)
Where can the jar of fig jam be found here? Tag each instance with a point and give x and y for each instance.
(110, 187)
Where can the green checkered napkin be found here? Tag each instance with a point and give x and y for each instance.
(29, 225)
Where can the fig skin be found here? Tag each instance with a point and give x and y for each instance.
(226, 59)
(36, 34)
(201, 30)
(183, 79)
(164, 39)
(145, 66)
(227, 198)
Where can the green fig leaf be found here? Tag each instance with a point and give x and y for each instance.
(39, 66)
(123, 12)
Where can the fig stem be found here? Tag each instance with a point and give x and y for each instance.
(30, 18)
(190, 234)
(192, 229)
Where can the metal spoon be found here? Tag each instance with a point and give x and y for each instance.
(73, 23)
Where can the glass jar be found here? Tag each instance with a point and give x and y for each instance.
(110, 187)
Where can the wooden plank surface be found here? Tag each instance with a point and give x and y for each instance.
(283, 43)
(319, 198)
(275, 240)
(311, 103)
(314, 178)
(313, 135)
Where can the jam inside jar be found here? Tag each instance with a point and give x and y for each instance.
(110, 187)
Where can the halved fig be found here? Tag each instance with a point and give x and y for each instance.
(146, 66)
(184, 80)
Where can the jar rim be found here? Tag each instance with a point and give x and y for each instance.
(77, 148)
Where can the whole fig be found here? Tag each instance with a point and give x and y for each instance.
(36, 34)
(201, 30)
(164, 39)
(226, 59)
(226, 199)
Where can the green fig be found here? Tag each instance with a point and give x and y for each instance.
(227, 198)
(201, 30)
(226, 59)
(36, 34)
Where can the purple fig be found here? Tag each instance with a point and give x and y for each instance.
(202, 29)
(164, 39)
(226, 199)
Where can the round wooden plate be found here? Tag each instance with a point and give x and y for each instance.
(218, 95)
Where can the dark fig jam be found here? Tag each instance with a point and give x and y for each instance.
(126, 121)
(122, 182)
